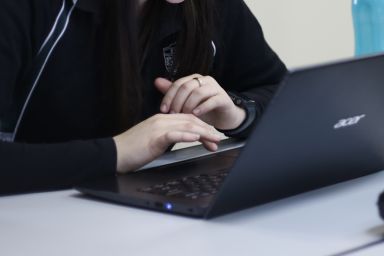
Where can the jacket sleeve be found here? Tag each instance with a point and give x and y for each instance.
(245, 62)
(28, 167)
(25, 167)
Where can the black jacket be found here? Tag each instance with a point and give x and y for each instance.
(62, 139)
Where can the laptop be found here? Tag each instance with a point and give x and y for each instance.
(324, 125)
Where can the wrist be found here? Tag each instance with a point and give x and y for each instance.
(119, 158)
(239, 115)
(124, 160)
(249, 109)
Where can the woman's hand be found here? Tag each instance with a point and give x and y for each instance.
(203, 97)
(149, 139)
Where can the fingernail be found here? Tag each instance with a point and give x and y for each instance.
(164, 108)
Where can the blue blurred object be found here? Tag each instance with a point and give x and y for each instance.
(368, 20)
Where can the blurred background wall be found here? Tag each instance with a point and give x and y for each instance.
(305, 32)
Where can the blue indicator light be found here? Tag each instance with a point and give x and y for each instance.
(168, 206)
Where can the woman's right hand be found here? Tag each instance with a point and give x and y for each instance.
(149, 139)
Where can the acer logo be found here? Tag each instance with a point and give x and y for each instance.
(348, 122)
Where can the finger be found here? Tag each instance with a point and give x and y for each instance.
(183, 80)
(205, 133)
(193, 119)
(198, 96)
(182, 95)
(162, 84)
(184, 122)
(189, 123)
(211, 146)
(209, 105)
(178, 136)
(168, 99)
(171, 93)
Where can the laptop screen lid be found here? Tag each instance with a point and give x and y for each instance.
(323, 126)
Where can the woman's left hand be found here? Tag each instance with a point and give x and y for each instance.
(203, 97)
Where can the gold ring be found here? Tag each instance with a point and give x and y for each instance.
(199, 81)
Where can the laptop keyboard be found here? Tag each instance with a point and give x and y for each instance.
(192, 187)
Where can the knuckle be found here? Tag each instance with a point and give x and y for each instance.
(189, 126)
(185, 87)
(210, 79)
(157, 120)
(168, 136)
(157, 117)
(178, 83)
(198, 93)
(190, 117)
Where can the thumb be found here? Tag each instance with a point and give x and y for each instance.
(163, 84)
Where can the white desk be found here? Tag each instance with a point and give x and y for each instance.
(371, 251)
(322, 222)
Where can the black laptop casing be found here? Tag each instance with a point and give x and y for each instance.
(323, 126)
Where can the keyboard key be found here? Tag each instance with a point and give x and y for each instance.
(192, 187)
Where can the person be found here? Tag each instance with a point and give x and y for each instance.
(127, 80)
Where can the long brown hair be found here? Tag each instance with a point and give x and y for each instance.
(127, 36)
